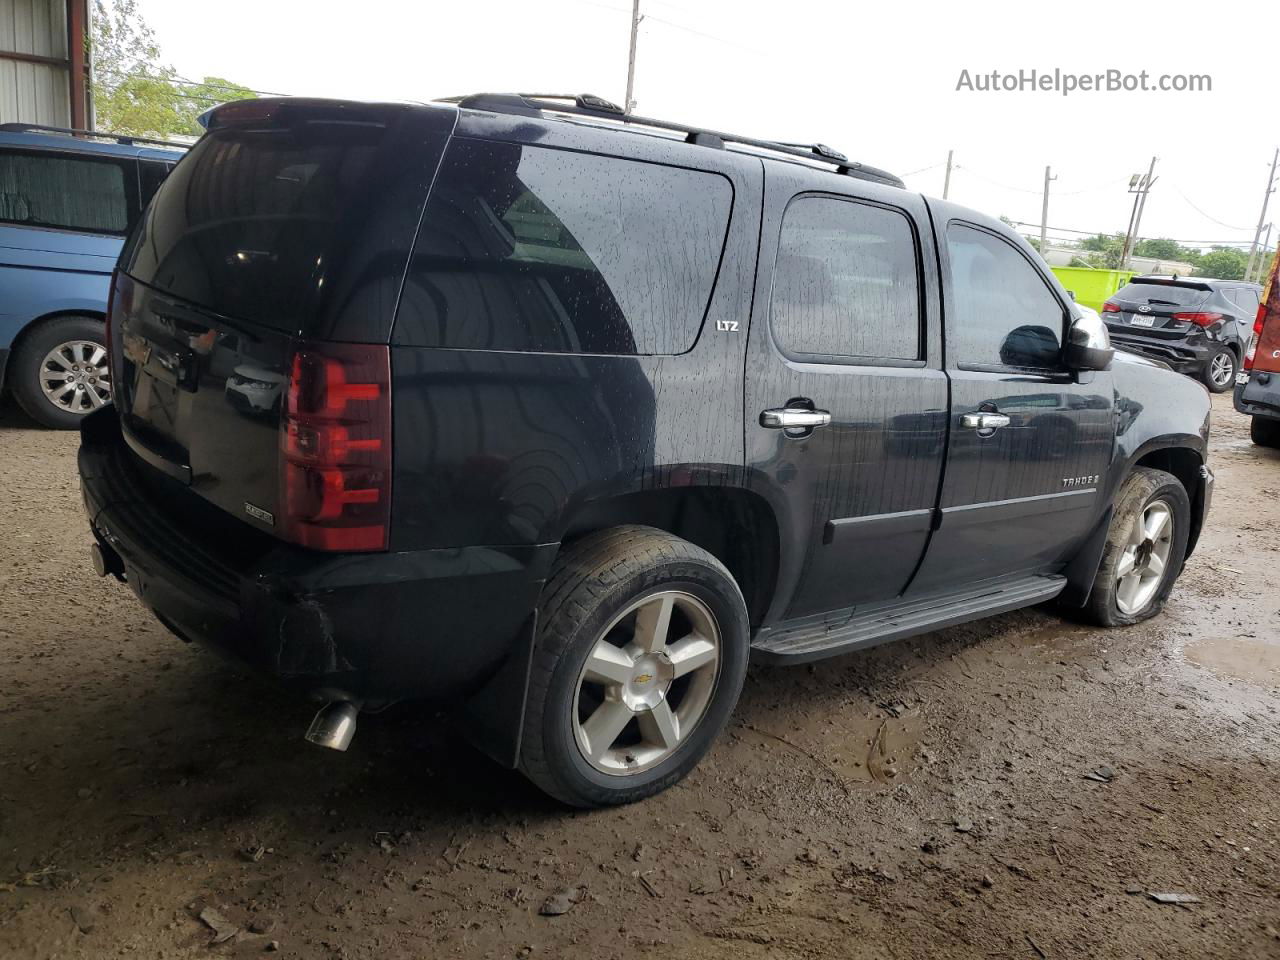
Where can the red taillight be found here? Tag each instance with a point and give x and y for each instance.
(1199, 319)
(1253, 340)
(335, 443)
(119, 304)
(1111, 307)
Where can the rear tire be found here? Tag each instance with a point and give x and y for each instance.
(606, 721)
(62, 347)
(1145, 548)
(1219, 373)
(1264, 431)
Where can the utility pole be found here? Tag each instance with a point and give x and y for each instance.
(631, 58)
(1139, 187)
(946, 184)
(1266, 200)
(1044, 213)
(1264, 261)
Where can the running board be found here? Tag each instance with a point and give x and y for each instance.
(829, 634)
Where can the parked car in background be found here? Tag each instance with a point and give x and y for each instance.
(1257, 393)
(67, 200)
(1197, 326)
(558, 415)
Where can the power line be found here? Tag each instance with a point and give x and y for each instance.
(1205, 215)
(183, 81)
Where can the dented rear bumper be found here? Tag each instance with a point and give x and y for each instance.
(434, 624)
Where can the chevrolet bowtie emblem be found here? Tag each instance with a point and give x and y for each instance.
(644, 678)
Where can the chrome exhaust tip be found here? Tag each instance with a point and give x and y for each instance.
(334, 725)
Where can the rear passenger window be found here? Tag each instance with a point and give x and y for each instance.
(68, 193)
(846, 283)
(1003, 313)
(534, 249)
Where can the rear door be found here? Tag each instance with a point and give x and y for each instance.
(288, 221)
(844, 325)
(1017, 496)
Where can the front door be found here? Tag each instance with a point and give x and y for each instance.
(1029, 440)
(845, 396)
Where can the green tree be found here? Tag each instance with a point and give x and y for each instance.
(1103, 250)
(1225, 263)
(1160, 248)
(133, 91)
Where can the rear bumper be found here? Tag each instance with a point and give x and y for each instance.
(1259, 396)
(1187, 356)
(431, 624)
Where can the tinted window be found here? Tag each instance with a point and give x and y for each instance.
(1161, 294)
(151, 174)
(528, 248)
(1248, 299)
(846, 282)
(300, 218)
(52, 190)
(1003, 312)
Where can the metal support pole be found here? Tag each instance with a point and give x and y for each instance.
(631, 57)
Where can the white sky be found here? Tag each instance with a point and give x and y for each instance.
(876, 80)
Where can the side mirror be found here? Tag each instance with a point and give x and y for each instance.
(1088, 344)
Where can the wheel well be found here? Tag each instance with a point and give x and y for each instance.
(1185, 465)
(734, 525)
(38, 322)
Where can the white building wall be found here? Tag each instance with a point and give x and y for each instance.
(34, 92)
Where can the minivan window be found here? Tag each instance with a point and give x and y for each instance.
(1160, 293)
(1003, 313)
(846, 282)
(63, 192)
(535, 249)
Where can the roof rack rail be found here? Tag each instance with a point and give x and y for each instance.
(585, 104)
(124, 139)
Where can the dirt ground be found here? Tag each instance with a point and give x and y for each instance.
(1014, 788)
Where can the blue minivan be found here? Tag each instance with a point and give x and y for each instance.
(67, 200)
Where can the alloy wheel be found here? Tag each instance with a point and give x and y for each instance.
(74, 376)
(1221, 369)
(647, 682)
(1145, 558)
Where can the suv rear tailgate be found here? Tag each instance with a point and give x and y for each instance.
(288, 220)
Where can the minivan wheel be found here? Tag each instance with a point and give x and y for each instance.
(1220, 370)
(1264, 431)
(641, 654)
(60, 371)
(1145, 548)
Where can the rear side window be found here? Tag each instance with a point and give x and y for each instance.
(64, 192)
(534, 249)
(1248, 299)
(846, 283)
(1003, 313)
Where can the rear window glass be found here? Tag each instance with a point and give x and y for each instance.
(534, 249)
(301, 221)
(69, 193)
(1158, 293)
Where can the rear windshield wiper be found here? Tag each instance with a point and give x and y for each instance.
(1165, 303)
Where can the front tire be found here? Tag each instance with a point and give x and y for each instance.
(1264, 431)
(1145, 547)
(1220, 370)
(641, 654)
(59, 371)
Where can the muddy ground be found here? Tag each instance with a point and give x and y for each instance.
(938, 797)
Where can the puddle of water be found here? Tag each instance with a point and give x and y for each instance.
(1239, 658)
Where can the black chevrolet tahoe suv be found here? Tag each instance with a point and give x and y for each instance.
(558, 416)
